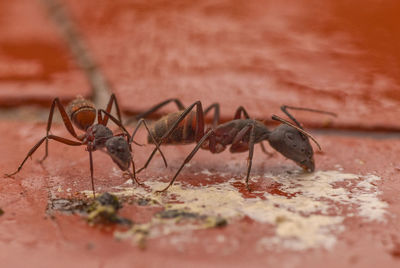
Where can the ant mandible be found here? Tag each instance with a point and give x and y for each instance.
(82, 113)
(288, 139)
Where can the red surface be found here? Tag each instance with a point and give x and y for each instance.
(26, 230)
(35, 63)
(334, 55)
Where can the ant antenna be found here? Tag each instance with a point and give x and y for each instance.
(277, 118)
(285, 108)
(309, 110)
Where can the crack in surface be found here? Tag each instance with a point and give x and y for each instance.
(97, 80)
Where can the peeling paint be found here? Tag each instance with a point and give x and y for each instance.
(309, 214)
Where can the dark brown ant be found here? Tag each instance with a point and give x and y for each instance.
(184, 132)
(288, 139)
(82, 113)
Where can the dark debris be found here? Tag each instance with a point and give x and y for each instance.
(108, 199)
(68, 206)
(103, 210)
(143, 201)
(175, 213)
(210, 221)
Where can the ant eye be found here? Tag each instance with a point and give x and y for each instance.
(289, 136)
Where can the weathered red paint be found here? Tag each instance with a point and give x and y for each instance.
(331, 55)
(35, 62)
(26, 230)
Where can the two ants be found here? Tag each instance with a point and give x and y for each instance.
(182, 127)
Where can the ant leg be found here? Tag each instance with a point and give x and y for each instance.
(91, 172)
(188, 158)
(285, 108)
(133, 169)
(133, 175)
(155, 108)
(104, 120)
(238, 115)
(142, 121)
(199, 128)
(115, 120)
(66, 120)
(214, 106)
(111, 101)
(130, 138)
(239, 111)
(124, 135)
(251, 151)
(135, 178)
(264, 150)
(119, 124)
(148, 161)
(239, 146)
(37, 145)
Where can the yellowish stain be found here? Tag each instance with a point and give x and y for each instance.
(311, 218)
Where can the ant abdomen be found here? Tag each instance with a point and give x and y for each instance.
(82, 113)
(183, 133)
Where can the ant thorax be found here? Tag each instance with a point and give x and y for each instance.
(97, 135)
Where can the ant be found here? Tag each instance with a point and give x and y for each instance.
(291, 140)
(82, 113)
(184, 133)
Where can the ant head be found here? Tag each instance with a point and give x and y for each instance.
(294, 145)
(82, 113)
(118, 149)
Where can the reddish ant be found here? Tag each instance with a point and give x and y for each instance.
(82, 113)
(288, 139)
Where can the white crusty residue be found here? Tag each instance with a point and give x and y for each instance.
(309, 214)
